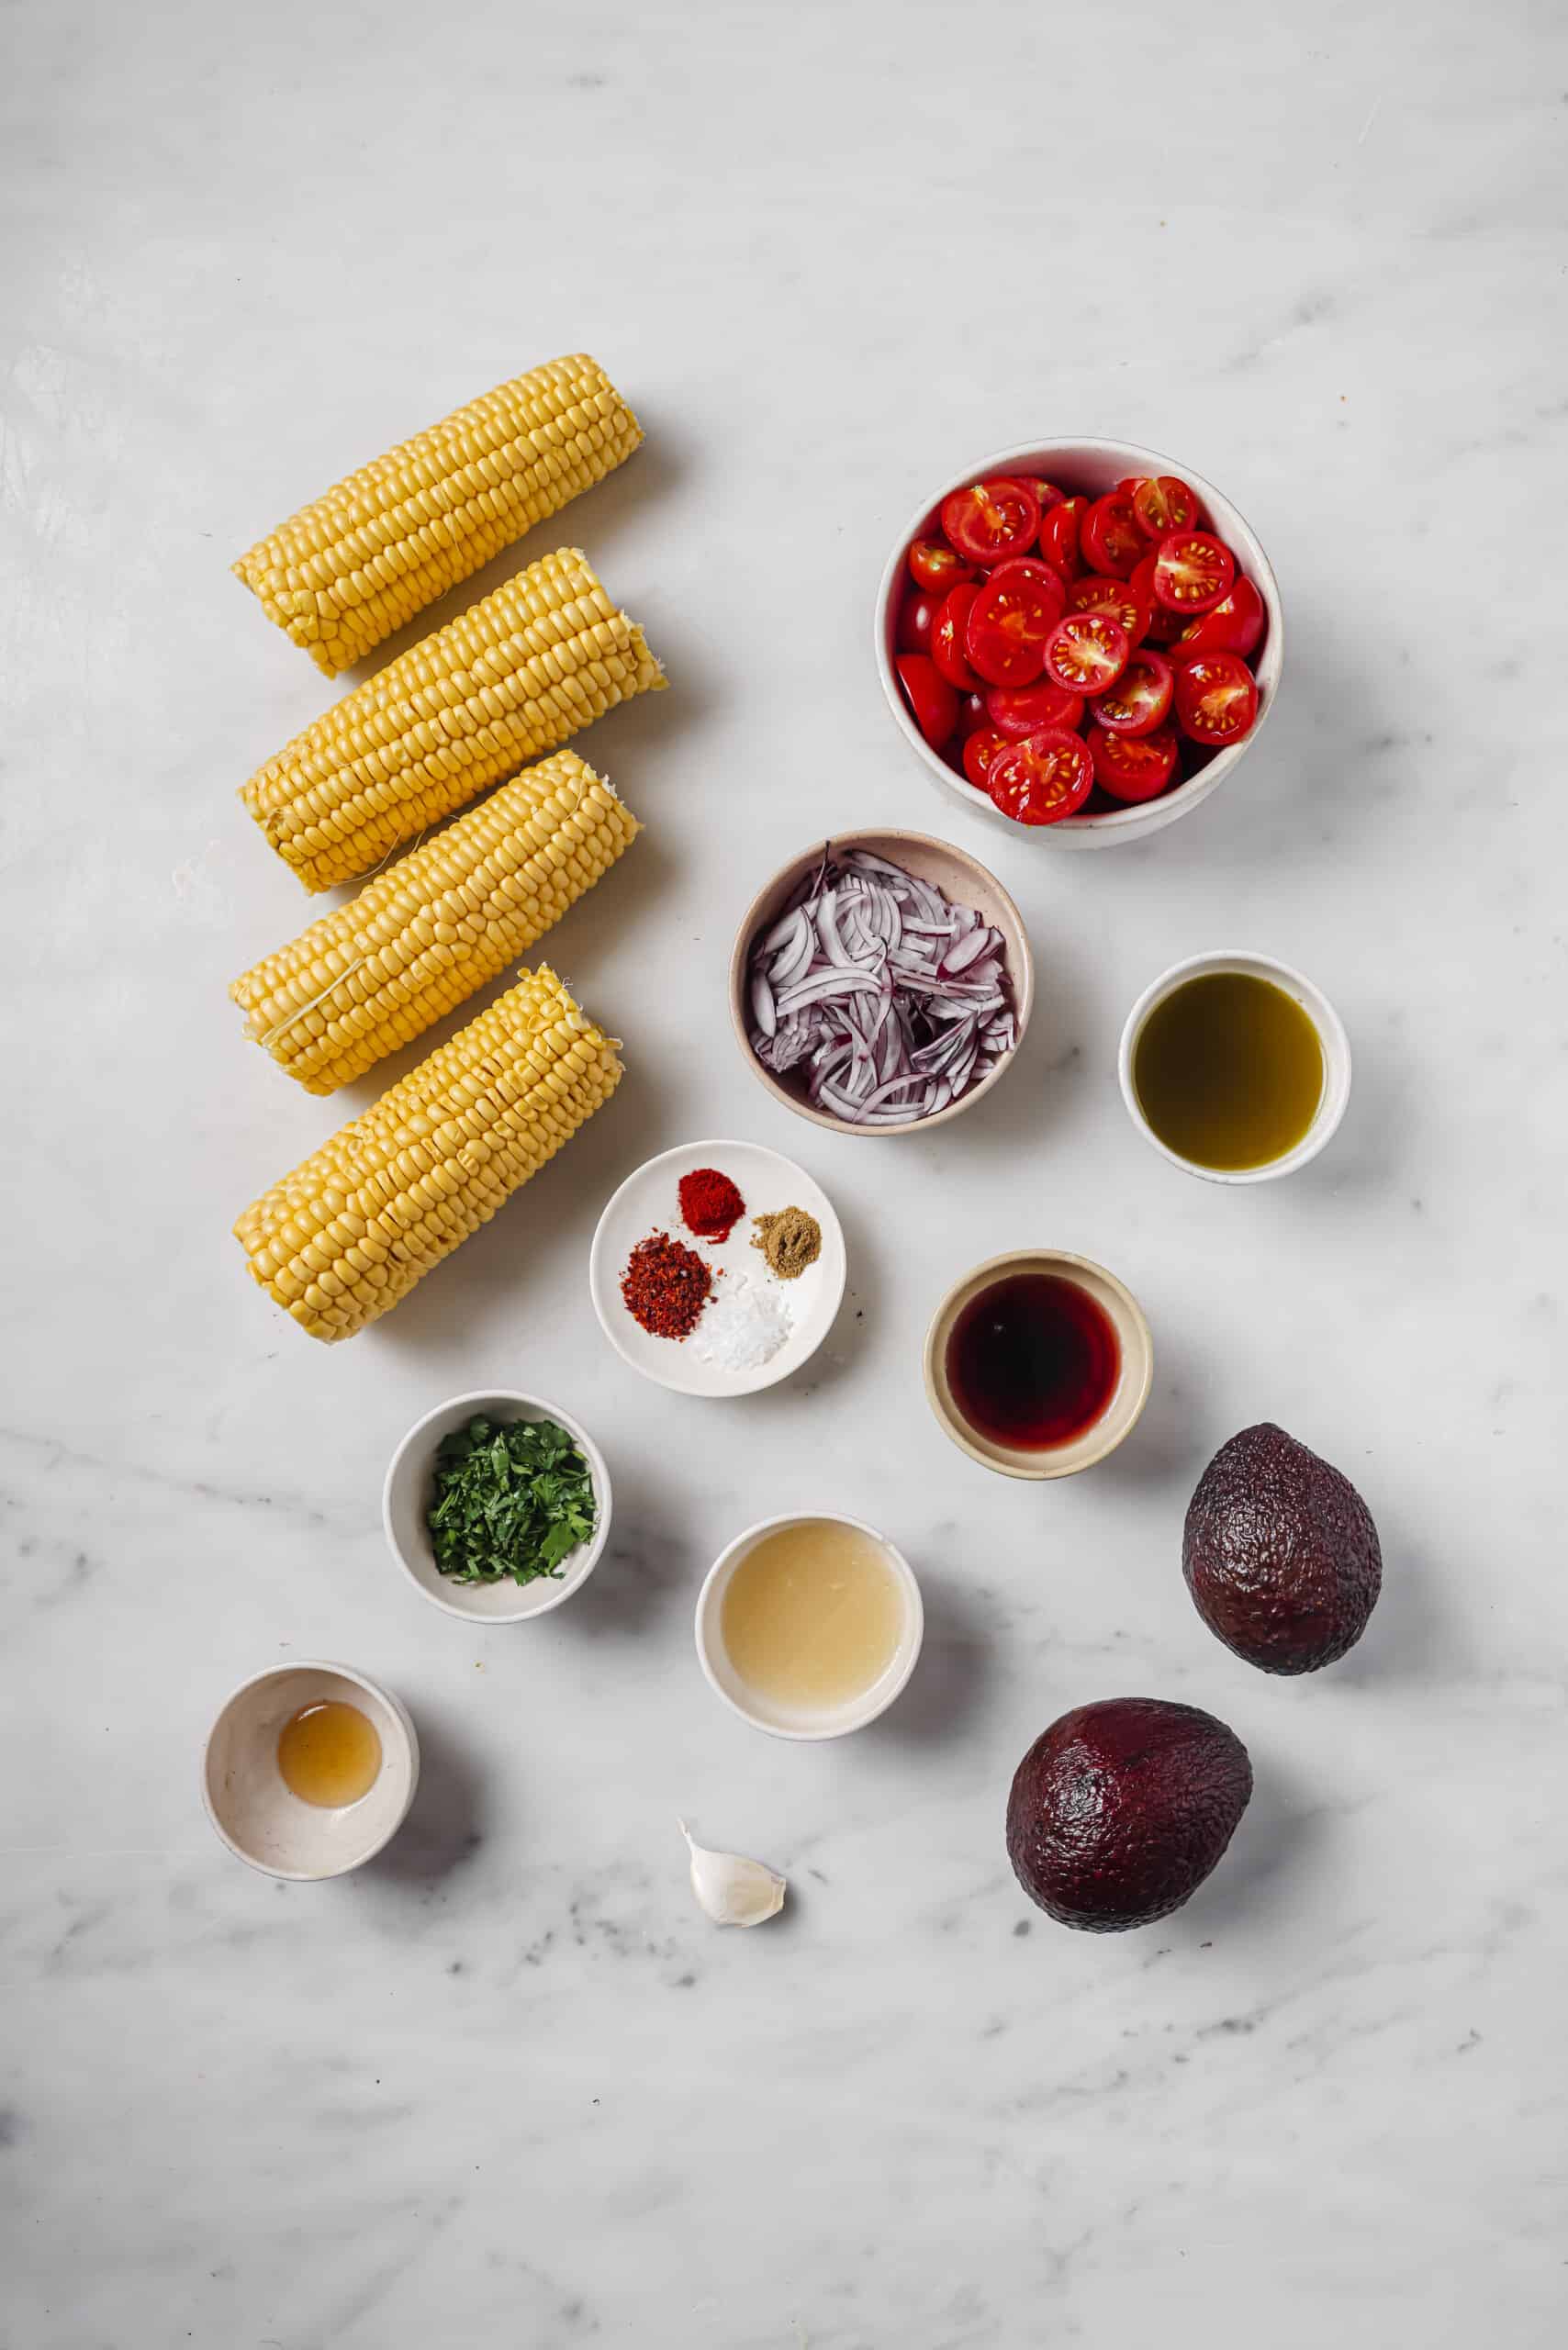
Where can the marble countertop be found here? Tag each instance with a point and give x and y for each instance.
(506, 2085)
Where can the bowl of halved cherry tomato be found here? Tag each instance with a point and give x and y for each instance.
(1081, 638)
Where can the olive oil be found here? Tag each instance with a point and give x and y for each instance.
(329, 1754)
(813, 1615)
(1228, 1071)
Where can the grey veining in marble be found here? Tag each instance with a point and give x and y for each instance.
(506, 2085)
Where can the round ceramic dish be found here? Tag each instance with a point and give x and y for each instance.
(1127, 1398)
(257, 1815)
(961, 878)
(648, 1202)
(761, 1712)
(1094, 466)
(405, 1495)
(1331, 1037)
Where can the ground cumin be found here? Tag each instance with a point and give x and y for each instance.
(789, 1239)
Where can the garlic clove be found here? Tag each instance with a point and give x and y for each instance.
(730, 1889)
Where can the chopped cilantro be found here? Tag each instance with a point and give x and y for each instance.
(511, 1497)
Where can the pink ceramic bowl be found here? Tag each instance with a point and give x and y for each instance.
(1094, 466)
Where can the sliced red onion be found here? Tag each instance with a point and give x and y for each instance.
(890, 999)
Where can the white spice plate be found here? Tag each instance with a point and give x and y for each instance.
(649, 1201)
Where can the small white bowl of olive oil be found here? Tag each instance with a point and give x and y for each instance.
(809, 1627)
(309, 1770)
(1235, 1067)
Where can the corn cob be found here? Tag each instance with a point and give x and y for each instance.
(513, 675)
(347, 570)
(350, 1230)
(416, 940)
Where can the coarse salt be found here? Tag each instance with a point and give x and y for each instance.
(745, 1325)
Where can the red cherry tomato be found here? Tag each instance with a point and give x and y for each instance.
(1235, 625)
(1044, 779)
(991, 518)
(1110, 538)
(1164, 627)
(1087, 653)
(946, 646)
(1121, 598)
(1140, 698)
(972, 713)
(934, 566)
(1164, 503)
(1217, 699)
(1018, 711)
(930, 697)
(1193, 571)
(915, 616)
(1133, 766)
(1013, 614)
(1046, 494)
(981, 749)
(1058, 536)
(1051, 584)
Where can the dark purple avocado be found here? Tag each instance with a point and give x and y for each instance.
(1280, 1554)
(1120, 1811)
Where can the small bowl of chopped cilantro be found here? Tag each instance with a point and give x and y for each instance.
(497, 1506)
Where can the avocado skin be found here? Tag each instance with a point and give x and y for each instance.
(1280, 1554)
(1119, 1811)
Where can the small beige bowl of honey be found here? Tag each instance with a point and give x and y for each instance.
(810, 1626)
(309, 1770)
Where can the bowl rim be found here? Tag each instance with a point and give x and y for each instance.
(775, 1371)
(1042, 1468)
(365, 1680)
(1331, 1035)
(1114, 825)
(1023, 984)
(588, 1553)
(724, 1564)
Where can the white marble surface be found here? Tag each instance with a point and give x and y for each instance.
(508, 2086)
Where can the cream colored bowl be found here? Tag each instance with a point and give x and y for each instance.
(1094, 466)
(960, 877)
(260, 1818)
(1128, 1397)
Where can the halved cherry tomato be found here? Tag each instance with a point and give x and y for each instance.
(1110, 538)
(1044, 779)
(1193, 571)
(980, 750)
(1087, 653)
(1140, 698)
(934, 566)
(946, 646)
(991, 518)
(930, 697)
(915, 616)
(1050, 583)
(1046, 494)
(1004, 635)
(1133, 766)
(1122, 599)
(1058, 536)
(1163, 503)
(1018, 711)
(1235, 625)
(1164, 627)
(1217, 699)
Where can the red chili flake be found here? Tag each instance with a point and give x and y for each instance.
(666, 1286)
(709, 1203)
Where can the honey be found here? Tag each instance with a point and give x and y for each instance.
(329, 1754)
(812, 1615)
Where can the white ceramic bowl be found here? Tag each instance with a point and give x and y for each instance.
(1094, 466)
(963, 880)
(649, 1200)
(1123, 1408)
(1330, 1036)
(405, 1496)
(260, 1818)
(761, 1712)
